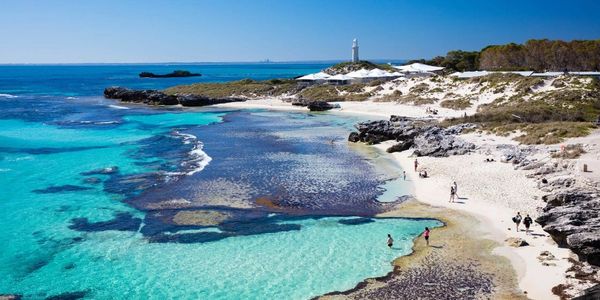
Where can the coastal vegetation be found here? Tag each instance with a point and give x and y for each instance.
(242, 88)
(351, 92)
(537, 55)
(347, 67)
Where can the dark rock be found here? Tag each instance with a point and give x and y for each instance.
(319, 106)
(154, 97)
(425, 137)
(401, 146)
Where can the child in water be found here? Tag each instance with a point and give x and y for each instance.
(390, 241)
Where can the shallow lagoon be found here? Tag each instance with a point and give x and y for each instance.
(43, 157)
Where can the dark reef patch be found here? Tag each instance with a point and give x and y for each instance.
(69, 296)
(48, 150)
(61, 189)
(123, 221)
(356, 221)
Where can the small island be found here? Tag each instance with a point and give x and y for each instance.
(177, 73)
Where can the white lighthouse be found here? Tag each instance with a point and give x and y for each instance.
(355, 50)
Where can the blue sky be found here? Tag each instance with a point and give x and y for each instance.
(63, 31)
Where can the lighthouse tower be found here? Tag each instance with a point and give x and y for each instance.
(355, 50)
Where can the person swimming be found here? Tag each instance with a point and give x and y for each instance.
(390, 241)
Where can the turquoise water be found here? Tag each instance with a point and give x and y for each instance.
(52, 148)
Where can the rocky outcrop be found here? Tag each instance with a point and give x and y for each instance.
(319, 106)
(572, 218)
(154, 97)
(426, 138)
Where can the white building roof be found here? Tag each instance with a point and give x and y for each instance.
(585, 73)
(362, 73)
(471, 74)
(547, 74)
(374, 73)
(418, 68)
(340, 77)
(315, 76)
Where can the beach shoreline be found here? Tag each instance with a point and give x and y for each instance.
(534, 279)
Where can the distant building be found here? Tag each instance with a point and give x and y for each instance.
(355, 50)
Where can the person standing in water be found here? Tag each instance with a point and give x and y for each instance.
(390, 241)
(527, 222)
(416, 164)
(517, 220)
(426, 235)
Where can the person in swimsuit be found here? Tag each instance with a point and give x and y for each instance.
(426, 235)
(390, 241)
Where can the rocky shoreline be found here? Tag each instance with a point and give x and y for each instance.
(155, 97)
(572, 213)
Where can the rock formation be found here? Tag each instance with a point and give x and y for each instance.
(155, 97)
(572, 212)
(425, 137)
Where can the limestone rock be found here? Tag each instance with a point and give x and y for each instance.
(516, 242)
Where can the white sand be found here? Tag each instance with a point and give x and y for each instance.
(491, 192)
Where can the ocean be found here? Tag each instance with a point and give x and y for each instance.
(104, 200)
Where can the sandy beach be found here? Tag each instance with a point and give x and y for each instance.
(489, 192)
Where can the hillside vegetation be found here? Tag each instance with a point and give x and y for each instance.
(537, 55)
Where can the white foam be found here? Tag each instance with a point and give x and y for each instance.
(71, 98)
(117, 107)
(8, 96)
(198, 158)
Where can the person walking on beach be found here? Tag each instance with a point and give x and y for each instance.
(390, 241)
(426, 235)
(452, 194)
(517, 220)
(404, 174)
(455, 188)
(416, 164)
(527, 222)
